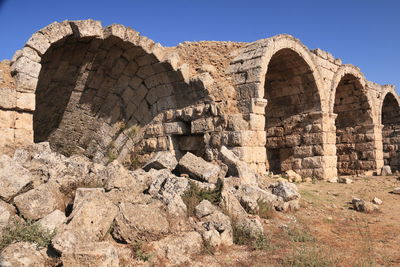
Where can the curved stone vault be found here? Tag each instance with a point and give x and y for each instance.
(111, 93)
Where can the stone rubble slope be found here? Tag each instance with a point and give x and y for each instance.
(99, 212)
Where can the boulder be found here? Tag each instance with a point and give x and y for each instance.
(252, 226)
(83, 193)
(7, 212)
(177, 249)
(14, 178)
(293, 176)
(198, 168)
(204, 208)
(364, 206)
(217, 221)
(23, 254)
(165, 185)
(377, 201)
(236, 167)
(250, 196)
(386, 171)
(145, 222)
(287, 191)
(345, 180)
(162, 160)
(101, 254)
(41, 201)
(53, 221)
(90, 220)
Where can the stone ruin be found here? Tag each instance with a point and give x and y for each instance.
(111, 93)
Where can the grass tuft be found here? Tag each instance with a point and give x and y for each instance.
(29, 231)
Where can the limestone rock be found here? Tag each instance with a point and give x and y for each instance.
(293, 176)
(7, 212)
(52, 221)
(333, 180)
(386, 171)
(344, 180)
(198, 168)
(162, 160)
(166, 185)
(23, 254)
(102, 254)
(222, 224)
(41, 201)
(236, 167)
(82, 193)
(288, 191)
(252, 226)
(377, 201)
(13, 177)
(204, 208)
(364, 206)
(396, 191)
(90, 220)
(178, 249)
(145, 222)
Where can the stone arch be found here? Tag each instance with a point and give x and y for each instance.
(355, 130)
(390, 119)
(282, 71)
(91, 89)
(290, 119)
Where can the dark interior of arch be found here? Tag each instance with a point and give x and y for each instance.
(92, 94)
(354, 132)
(292, 96)
(391, 132)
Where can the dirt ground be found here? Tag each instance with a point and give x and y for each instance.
(326, 231)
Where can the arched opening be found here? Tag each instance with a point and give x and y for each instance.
(391, 132)
(292, 125)
(94, 94)
(355, 147)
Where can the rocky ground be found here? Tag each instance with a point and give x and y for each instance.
(58, 211)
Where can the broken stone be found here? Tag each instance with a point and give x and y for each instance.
(333, 180)
(293, 176)
(377, 201)
(236, 167)
(287, 191)
(7, 212)
(13, 178)
(145, 222)
(344, 180)
(396, 191)
(82, 193)
(162, 160)
(386, 171)
(178, 249)
(23, 254)
(364, 206)
(101, 254)
(198, 168)
(41, 201)
(204, 208)
(52, 221)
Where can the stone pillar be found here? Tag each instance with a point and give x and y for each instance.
(329, 167)
(378, 140)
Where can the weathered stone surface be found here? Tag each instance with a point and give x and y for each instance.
(90, 220)
(145, 222)
(178, 249)
(364, 206)
(53, 220)
(236, 167)
(377, 201)
(198, 168)
(386, 171)
(102, 254)
(7, 212)
(41, 201)
(13, 177)
(204, 208)
(23, 254)
(162, 160)
(293, 176)
(287, 191)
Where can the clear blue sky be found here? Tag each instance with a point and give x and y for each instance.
(365, 33)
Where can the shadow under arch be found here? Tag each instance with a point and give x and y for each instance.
(355, 146)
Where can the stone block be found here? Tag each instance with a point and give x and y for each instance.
(202, 125)
(8, 98)
(162, 160)
(101, 254)
(175, 128)
(88, 28)
(27, 66)
(26, 101)
(198, 168)
(39, 42)
(7, 119)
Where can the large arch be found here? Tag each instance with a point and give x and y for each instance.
(390, 117)
(293, 99)
(91, 89)
(355, 131)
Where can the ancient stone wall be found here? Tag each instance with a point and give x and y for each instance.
(110, 93)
